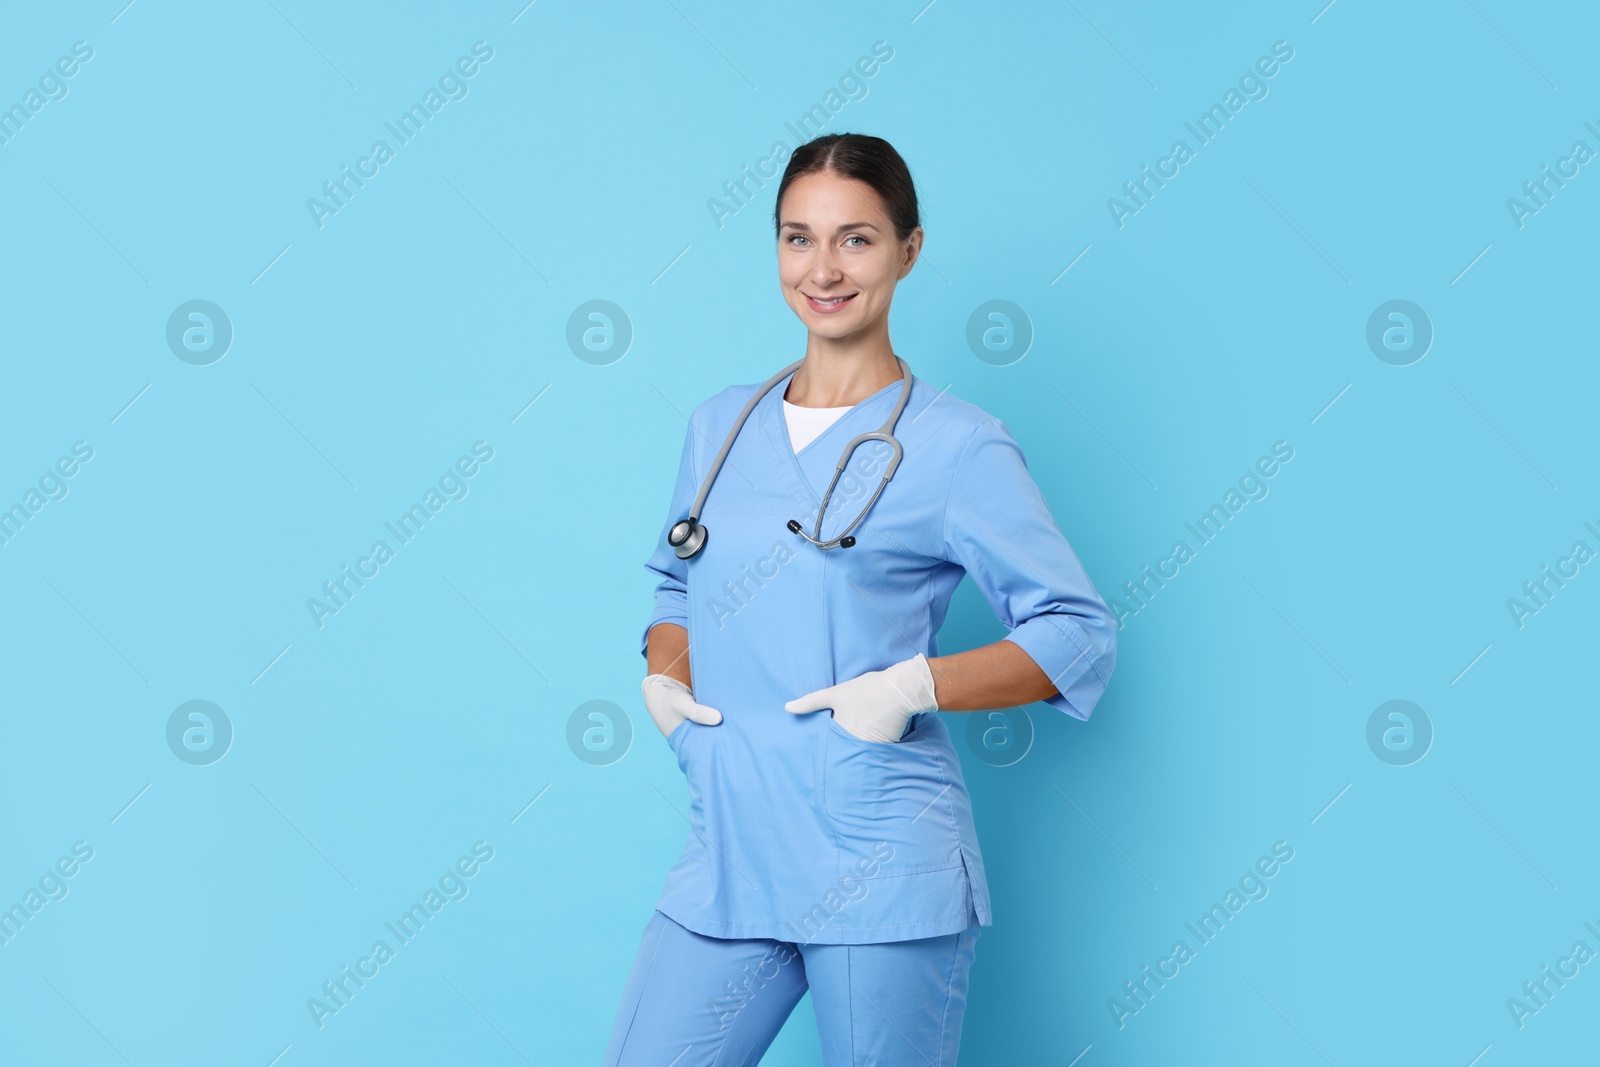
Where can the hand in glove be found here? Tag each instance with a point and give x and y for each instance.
(876, 706)
(670, 702)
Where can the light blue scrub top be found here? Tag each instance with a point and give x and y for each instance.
(801, 831)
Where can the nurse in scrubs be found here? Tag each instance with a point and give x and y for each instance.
(831, 844)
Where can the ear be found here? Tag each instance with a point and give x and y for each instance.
(913, 251)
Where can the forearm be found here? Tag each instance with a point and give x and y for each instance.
(667, 651)
(1000, 675)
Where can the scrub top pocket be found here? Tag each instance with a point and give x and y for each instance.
(675, 734)
(878, 794)
(910, 726)
(680, 743)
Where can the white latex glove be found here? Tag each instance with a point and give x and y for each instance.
(877, 705)
(670, 702)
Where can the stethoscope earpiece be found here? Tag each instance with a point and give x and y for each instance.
(795, 528)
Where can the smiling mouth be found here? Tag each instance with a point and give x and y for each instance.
(830, 304)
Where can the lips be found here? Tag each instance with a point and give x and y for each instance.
(828, 306)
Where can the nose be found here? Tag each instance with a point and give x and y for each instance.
(824, 268)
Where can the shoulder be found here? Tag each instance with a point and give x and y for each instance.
(724, 406)
(945, 414)
(710, 421)
(975, 447)
(951, 426)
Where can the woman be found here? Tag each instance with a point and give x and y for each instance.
(794, 674)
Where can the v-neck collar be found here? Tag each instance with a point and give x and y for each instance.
(776, 430)
(810, 417)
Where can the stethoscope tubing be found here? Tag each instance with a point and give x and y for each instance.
(884, 433)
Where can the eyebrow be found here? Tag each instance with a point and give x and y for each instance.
(841, 229)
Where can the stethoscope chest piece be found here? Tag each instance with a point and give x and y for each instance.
(687, 537)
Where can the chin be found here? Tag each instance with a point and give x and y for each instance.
(832, 328)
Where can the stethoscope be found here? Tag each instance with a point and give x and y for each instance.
(688, 536)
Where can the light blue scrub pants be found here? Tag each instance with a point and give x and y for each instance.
(698, 1001)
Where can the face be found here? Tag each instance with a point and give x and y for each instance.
(838, 258)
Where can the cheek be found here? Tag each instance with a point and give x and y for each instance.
(880, 273)
(876, 288)
(791, 271)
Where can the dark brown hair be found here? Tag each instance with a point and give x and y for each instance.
(865, 158)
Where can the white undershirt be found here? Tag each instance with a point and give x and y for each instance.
(807, 424)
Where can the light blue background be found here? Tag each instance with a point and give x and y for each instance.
(428, 314)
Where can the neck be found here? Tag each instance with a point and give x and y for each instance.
(836, 374)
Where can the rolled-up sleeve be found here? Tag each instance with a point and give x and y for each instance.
(672, 597)
(998, 528)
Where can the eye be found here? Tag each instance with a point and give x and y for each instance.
(858, 237)
(793, 237)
